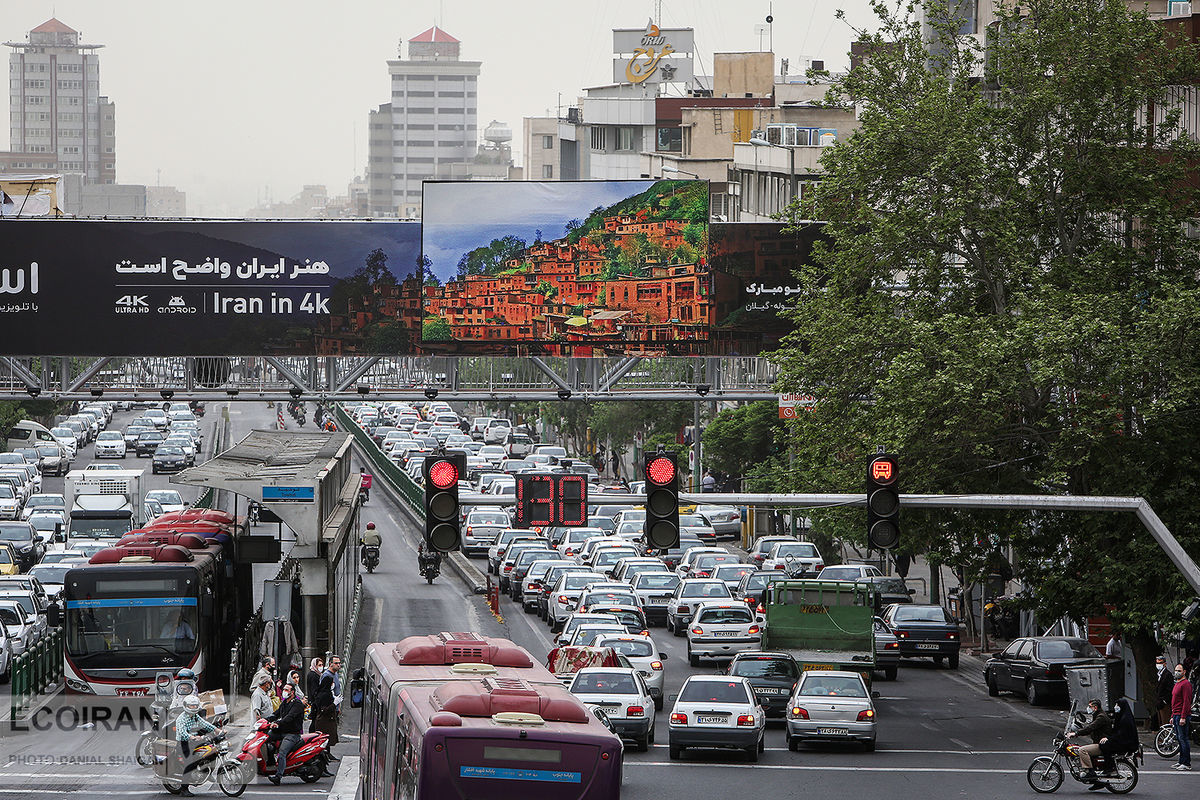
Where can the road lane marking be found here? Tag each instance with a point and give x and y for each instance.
(961, 744)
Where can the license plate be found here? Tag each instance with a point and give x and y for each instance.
(807, 667)
(928, 646)
(704, 719)
(769, 691)
(725, 633)
(833, 731)
(656, 601)
(135, 692)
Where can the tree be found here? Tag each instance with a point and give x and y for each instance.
(1008, 298)
(489, 259)
(436, 329)
(741, 438)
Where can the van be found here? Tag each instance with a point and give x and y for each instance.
(28, 433)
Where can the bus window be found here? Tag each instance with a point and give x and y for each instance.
(379, 738)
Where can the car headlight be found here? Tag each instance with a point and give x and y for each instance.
(27, 548)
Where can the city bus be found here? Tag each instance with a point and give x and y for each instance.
(463, 715)
(156, 601)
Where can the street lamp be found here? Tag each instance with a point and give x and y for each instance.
(680, 172)
(757, 142)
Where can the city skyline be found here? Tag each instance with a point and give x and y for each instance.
(211, 101)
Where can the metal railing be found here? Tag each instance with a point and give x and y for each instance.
(356, 606)
(383, 466)
(36, 670)
(244, 655)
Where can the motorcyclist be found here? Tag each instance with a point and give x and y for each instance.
(430, 557)
(1123, 739)
(370, 537)
(1099, 729)
(191, 731)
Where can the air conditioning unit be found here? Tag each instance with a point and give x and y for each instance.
(573, 115)
(785, 135)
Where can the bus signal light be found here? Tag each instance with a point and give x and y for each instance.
(441, 474)
(883, 503)
(661, 528)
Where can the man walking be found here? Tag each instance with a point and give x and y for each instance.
(1181, 710)
(327, 702)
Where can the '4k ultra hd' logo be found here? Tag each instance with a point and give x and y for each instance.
(133, 304)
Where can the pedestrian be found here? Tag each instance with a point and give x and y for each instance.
(1164, 683)
(286, 726)
(616, 464)
(327, 701)
(313, 679)
(708, 483)
(297, 683)
(1181, 711)
(266, 668)
(1113, 648)
(261, 705)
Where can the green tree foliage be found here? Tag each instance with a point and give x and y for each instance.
(489, 259)
(739, 439)
(546, 290)
(436, 329)
(1008, 299)
(391, 338)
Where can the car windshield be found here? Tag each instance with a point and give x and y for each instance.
(714, 559)
(831, 686)
(709, 691)
(169, 450)
(656, 580)
(9, 617)
(797, 550)
(764, 668)
(714, 589)
(627, 647)
(50, 573)
(736, 614)
(610, 598)
(604, 683)
(19, 532)
(25, 601)
(579, 581)
(6, 491)
(920, 614)
(1066, 648)
(110, 436)
(167, 496)
(840, 573)
(488, 519)
(51, 450)
(891, 585)
(692, 521)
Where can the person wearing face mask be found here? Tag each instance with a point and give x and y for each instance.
(1181, 710)
(1163, 686)
(1099, 728)
(1123, 739)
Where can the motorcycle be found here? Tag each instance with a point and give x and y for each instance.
(307, 762)
(429, 566)
(209, 761)
(1046, 774)
(370, 557)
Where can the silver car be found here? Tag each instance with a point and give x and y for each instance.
(481, 529)
(725, 520)
(643, 654)
(831, 705)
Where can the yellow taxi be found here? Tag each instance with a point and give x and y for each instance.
(8, 560)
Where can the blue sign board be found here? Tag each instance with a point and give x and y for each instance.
(289, 494)
(500, 773)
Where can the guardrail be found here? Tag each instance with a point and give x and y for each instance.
(356, 605)
(36, 670)
(413, 495)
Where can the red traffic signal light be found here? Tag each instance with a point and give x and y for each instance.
(661, 528)
(883, 503)
(443, 474)
(660, 470)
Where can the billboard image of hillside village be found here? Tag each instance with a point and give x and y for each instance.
(600, 263)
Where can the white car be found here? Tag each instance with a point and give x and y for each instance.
(689, 594)
(478, 426)
(654, 591)
(644, 655)
(722, 630)
(494, 454)
(590, 546)
(507, 536)
(572, 541)
(732, 573)
(586, 634)
(623, 696)
(53, 576)
(48, 523)
(480, 529)
(850, 572)
(565, 596)
(831, 705)
(795, 558)
(705, 564)
(6, 655)
(531, 584)
(603, 559)
(110, 444)
(717, 711)
(689, 558)
(66, 440)
(21, 626)
(169, 499)
(10, 503)
(497, 431)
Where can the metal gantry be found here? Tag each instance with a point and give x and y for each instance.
(331, 378)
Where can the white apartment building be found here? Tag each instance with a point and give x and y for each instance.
(56, 110)
(429, 130)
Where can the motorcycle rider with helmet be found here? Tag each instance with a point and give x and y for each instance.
(191, 731)
(427, 558)
(370, 537)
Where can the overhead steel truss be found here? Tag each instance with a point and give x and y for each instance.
(468, 378)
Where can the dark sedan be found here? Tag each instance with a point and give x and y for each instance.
(771, 675)
(24, 541)
(169, 458)
(924, 631)
(1035, 666)
(148, 442)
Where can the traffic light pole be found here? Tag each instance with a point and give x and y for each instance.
(1138, 505)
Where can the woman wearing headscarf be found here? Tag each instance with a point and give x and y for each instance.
(1123, 739)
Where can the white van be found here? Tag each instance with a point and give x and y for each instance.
(28, 433)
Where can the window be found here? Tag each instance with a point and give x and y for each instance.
(547, 142)
(598, 138)
(548, 171)
(624, 138)
(670, 140)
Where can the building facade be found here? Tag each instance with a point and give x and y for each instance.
(56, 110)
(428, 131)
(541, 149)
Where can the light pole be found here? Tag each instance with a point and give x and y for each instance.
(757, 142)
(678, 171)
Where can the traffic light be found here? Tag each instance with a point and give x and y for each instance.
(661, 529)
(883, 503)
(442, 473)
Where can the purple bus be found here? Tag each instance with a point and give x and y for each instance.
(462, 715)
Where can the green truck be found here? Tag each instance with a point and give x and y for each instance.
(823, 624)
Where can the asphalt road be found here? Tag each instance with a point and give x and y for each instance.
(940, 735)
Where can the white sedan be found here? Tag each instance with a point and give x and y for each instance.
(625, 699)
(717, 711)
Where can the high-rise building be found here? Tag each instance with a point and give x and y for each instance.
(56, 110)
(429, 130)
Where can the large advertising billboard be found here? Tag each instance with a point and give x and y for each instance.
(589, 263)
(73, 287)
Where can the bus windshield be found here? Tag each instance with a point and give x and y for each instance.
(108, 632)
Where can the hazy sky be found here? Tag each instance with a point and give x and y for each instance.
(235, 102)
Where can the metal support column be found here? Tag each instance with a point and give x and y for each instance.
(550, 373)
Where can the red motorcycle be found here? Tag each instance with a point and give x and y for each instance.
(306, 762)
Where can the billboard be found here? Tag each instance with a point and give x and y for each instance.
(644, 55)
(75, 287)
(589, 263)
